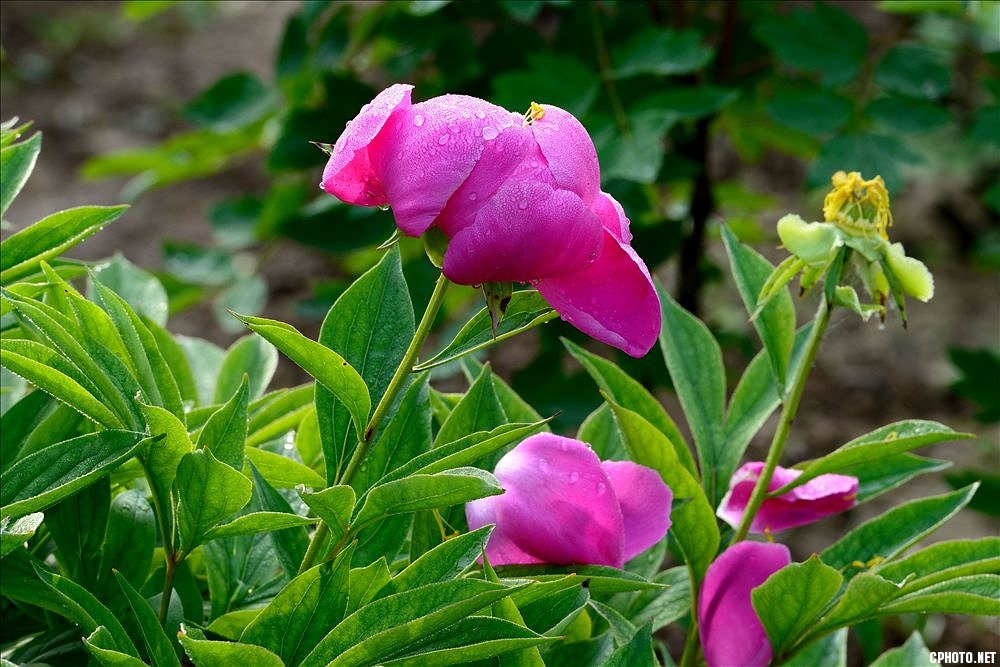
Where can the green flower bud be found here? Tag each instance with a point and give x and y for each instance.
(812, 242)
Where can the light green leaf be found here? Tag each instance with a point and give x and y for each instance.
(14, 534)
(328, 367)
(913, 653)
(775, 322)
(668, 605)
(205, 653)
(17, 161)
(479, 410)
(140, 289)
(163, 456)
(40, 480)
(694, 360)
(390, 624)
(627, 392)
(101, 646)
(207, 491)
(638, 652)
(864, 594)
(600, 432)
(231, 625)
(977, 594)
(470, 640)
(877, 477)
(334, 505)
(830, 651)
(526, 309)
(50, 237)
(250, 355)
(942, 561)
(694, 524)
(225, 432)
(366, 582)
(424, 492)
(889, 534)
(283, 472)
(279, 412)
(446, 561)
(257, 522)
(793, 598)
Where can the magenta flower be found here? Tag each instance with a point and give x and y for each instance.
(731, 633)
(562, 505)
(817, 498)
(518, 197)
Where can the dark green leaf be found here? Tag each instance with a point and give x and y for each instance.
(50, 237)
(424, 492)
(942, 561)
(830, 651)
(638, 652)
(257, 522)
(885, 474)
(913, 653)
(225, 432)
(574, 88)
(161, 651)
(16, 164)
(205, 653)
(908, 115)
(131, 537)
(975, 594)
(815, 111)
(207, 491)
(290, 544)
(140, 289)
(60, 470)
(101, 646)
(15, 534)
(914, 70)
(869, 153)
(661, 52)
(446, 561)
(250, 355)
(793, 598)
(600, 432)
(479, 410)
(78, 525)
(236, 100)
(469, 640)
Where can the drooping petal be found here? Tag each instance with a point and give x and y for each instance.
(911, 273)
(527, 231)
(569, 151)
(500, 549)
(350, 173)
(612, 300)
(812, 242)
(818, 498)
(645, 502)
(437, 145)
(558, 504)
(730, 631)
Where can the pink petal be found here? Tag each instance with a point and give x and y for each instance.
(436, 147)
(569, 151)
(613, 217)
(612, 300)
(645, 503)
(818, 498)
(349, 173)
(559, 505)
(500, 549)
(526, 231)
(731, 633)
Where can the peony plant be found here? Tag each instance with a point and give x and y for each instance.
(161, 506)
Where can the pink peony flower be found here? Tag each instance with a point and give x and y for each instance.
(817, 498)
(562, 505)
(518, 197)
(731, 633)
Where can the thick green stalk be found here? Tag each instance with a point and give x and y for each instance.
(788, 412)
(396, 385)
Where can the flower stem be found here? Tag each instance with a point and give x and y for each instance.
(788, 412)
(168, 586)
(396, 385)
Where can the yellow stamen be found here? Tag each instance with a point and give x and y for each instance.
(535, 112)
(858, 205)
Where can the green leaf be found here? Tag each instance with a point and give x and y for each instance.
(526, 309)
(236, 100)
(391, 624)
(793, 598)
(942, 561)
(42, 479)
(975, 594)
(371, 324)
(17, 161)
(694, 360)
(627, 392)
(77, 524)
(753, 401)
(140, 289)
(300, 615)
(913, 653)
(204, 359)
(638, 652)
(225, 432)
(905, 114)
(50, 237)
(130, 539)
(205, 653)
(446, 561)
(366, 582)
(470, 640)
(886, 441)
(158, 645)
(81, 607)
(283, 472)
(176, 361)
(257, 522)
(694, 525)
(39, 365)
(574, 89)
(661, 52)
(885, 474)
(479, 410)
(892, 532)
(424, 492)
(328, 367)
(867, 152)
(775, 322)
(250, 355)
(232, 625)
(101, 646)
(15, 534)
(280, 412)
(664, 606)
(334, 505)
(600, 432)
(163, 457)
(914, 70)
(290, 544)
(207, 491)
(830, 651)
(864, 594)
(815, 111)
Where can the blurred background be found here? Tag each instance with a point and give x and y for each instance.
(200, 114)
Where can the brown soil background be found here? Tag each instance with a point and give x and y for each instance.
(114, 85)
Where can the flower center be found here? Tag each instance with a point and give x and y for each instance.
(858, 206)
(534, 112)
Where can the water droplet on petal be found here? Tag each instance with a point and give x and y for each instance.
(523, 204)
(443, 139)
(480, 114)
(602, 488)
(473, 196)
(454, 128)
(338, 147)
(542, 463)
(348, 123)
(418, 120)
(490, 133)
(574, 477)
(321, 187)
